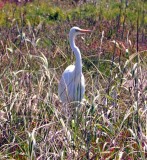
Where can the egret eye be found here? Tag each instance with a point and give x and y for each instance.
(76, 30)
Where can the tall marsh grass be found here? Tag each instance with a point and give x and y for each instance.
(112, 120)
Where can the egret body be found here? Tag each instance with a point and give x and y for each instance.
(72, 84)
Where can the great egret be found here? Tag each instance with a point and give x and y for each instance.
(72, 84)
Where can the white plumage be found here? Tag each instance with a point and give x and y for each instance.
(72, 84)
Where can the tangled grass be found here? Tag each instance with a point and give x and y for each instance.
(111, 122)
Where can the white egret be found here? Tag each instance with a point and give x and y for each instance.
(72, 84)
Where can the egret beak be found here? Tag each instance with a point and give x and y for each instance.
(84, 31)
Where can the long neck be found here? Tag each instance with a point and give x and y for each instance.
(75, 49)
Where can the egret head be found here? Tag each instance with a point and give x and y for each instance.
(74, 31)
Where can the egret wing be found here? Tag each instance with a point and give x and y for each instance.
(65, 85)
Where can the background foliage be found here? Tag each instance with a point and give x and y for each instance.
(111, 122)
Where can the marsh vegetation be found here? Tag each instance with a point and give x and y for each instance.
(34, 51)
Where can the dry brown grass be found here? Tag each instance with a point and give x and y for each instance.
(110, 124)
